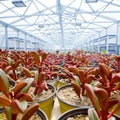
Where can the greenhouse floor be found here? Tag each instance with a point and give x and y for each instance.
(56, 110)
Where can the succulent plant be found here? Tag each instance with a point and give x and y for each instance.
(84, 76)
(15, 101)
(107, 79)
(102, 103)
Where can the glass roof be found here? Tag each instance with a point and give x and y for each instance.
(62, 23)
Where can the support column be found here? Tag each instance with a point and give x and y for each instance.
(99, 44)
(6, 38)
(59, 10)
(106, 41)
(17, 41)
(118, 38)
(25, 42)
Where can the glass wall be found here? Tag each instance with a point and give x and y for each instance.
(109, 40)
(13, 38)
(2, 37)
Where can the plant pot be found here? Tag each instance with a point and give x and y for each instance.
(65, 104)
(73, 112)
(57, 83)
(62, 82)
(46, 104)
(40, 113)
(12, 84)
(78, 111)
(53, 82)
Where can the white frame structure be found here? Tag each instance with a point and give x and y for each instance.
(61, 24)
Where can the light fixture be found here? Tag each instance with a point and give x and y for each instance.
(18, 3)
(91, 1)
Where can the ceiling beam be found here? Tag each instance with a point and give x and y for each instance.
(68, 13)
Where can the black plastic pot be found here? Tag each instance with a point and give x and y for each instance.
(42, 115)
(77, 111)
(12, 83)
(73, 112)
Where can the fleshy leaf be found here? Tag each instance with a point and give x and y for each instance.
(74, 70)
(7, 68)
(42, 87)
(36, 75)
(104, 69)
(81, 76)
(116, 87)
(29, 82)
(30, 111)
(16, 64)
(93, 98)
(27, 72)
(92, 114)
(4, 101)
(36, 57)
(89, 78)
(16, 107)
(44, 55)
(4, 82)
(116, 107)
(26, 97)
(23, 105)
(41, 78)
(102, 96)
(77, 88)
(8, 113)
(116, 78)
(91, 71)
(112, 102)
(19, 86)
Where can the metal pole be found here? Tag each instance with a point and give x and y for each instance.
(59, 11)
(6, 37)
(118, 38)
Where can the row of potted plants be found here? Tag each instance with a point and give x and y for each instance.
(100, 85)
(27, 71)
(32, 69)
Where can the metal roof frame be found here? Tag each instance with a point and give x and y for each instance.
(60, 18)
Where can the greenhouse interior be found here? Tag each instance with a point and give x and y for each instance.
(60, 59)
(60, 24)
